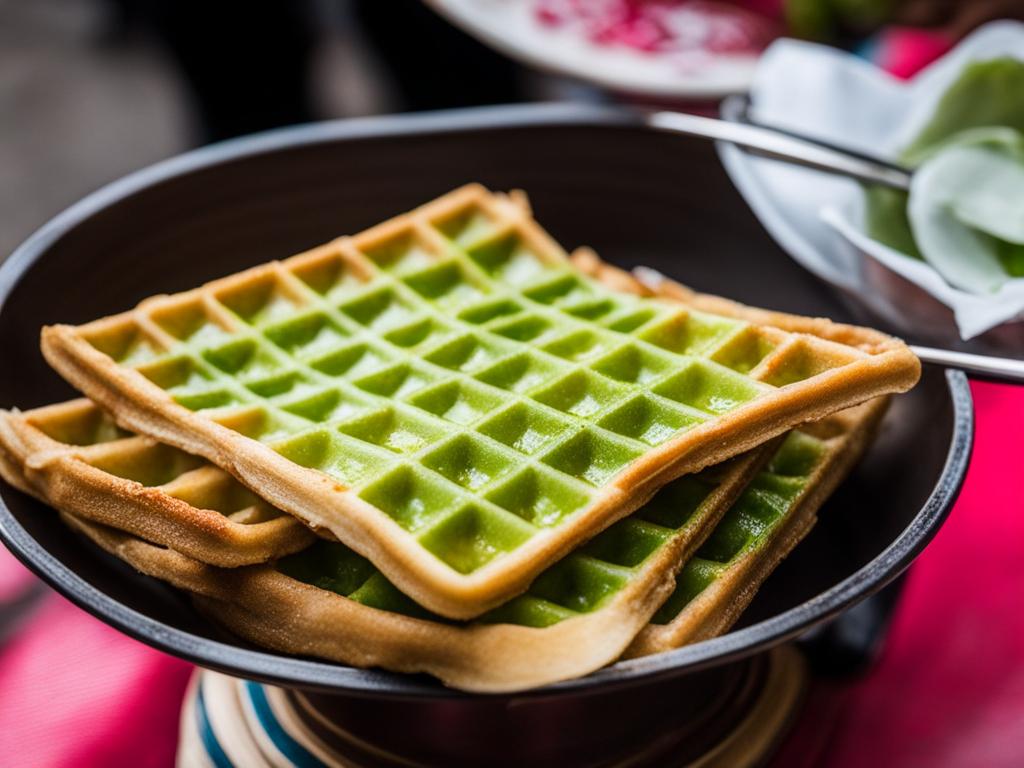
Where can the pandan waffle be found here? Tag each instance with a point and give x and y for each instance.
(773, 513)
(580, 614)
(453, 398)
(329, 601)
(73, 456)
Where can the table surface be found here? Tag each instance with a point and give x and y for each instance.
(949, 687)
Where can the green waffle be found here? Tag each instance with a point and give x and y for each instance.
(805, 468)
(579, 614)
(73, 456)
(454, 399)
(581, 583)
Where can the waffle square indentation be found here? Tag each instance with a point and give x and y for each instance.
(675, 504)
(627, 543)
(347, 461)
(308, 335)
(188, 322)
(579, 583)
(634, 365)
(581, 345)
(124, 343)
(591, 457)
(461, 402)
(243, 358)
(327, 405)
(709, 387)
(522, 373)
(396, 381)
(468, 461)
(582, 394)
(525, 427)
(411, 496)
(650, 420)
(380, 309)
(468, 353)
(539, 496)
(507, 258)
(402, 253)
(393, 429)
(691, 333)
(352, 361)
(327, 276)
(566, 288)
(422, 332)
(474, 536)
(258, 301)
(526, 328)
(490, 310)
(445, 285)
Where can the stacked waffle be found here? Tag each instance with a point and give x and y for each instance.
(445, 446)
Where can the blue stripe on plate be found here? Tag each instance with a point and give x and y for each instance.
(213, 748)
(289, 747)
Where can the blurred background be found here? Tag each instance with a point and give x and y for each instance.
(93, 89)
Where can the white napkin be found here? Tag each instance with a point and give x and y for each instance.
(835, 96)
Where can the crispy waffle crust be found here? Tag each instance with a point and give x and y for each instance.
(452, 397)
(579, 615)
(764, 525)
(73, 456)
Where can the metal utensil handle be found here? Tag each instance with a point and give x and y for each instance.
(814, 154)
(982, 366)
(783, 146)
(737, 109)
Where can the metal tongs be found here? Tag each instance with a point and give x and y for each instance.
(812, 153)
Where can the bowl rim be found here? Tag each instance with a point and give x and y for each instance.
(329, 677)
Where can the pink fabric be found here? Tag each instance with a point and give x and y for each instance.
(904, 50)
(949, 690)
(78, 693)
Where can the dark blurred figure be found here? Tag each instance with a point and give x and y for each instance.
(956, 18)
(247, 66)
(434, 64)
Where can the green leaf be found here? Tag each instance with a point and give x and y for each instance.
(967, 208)
(987, 93)
(990, 196)
(965, 211)
(886, 219)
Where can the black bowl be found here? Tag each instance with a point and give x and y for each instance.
(638, 197)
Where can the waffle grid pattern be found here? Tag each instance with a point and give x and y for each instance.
(580, 583)
(587, 579)
(73, 452)
(614, 584)
(583, 582)
(760, 509)
(493, 653)
(455, 372)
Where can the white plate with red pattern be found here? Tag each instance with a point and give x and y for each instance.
(700, 49)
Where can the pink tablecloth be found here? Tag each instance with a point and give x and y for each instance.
(949, 690)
